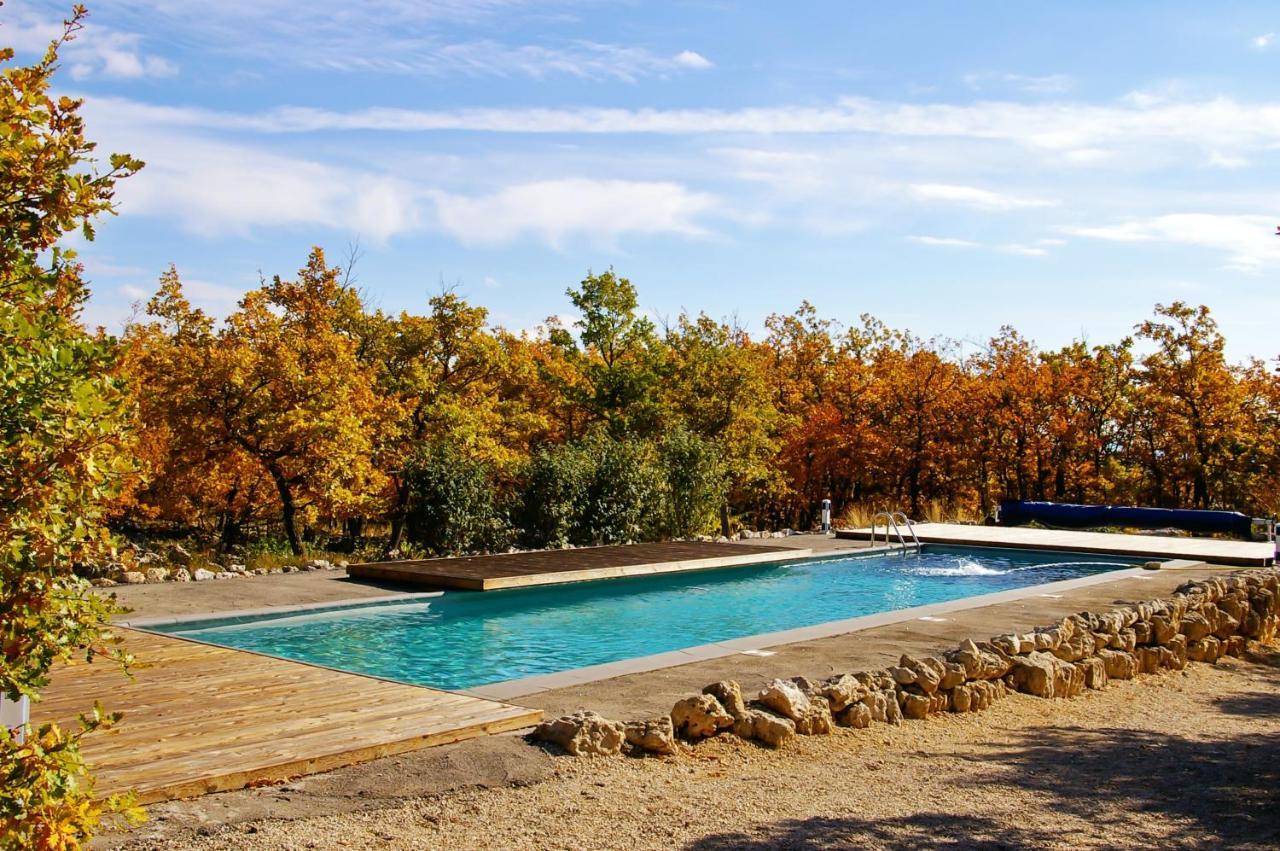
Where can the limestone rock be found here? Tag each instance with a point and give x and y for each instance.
(765, 727)
(178, 554)
(785, 698)
(156, 575)
(816, 720)
(844, 691)
(700, 716)
(1118, 664)
(656, 735)
(582, 733)
(1195, 626)
(914, 705)
(1034, 674)
(134, 577)
(180, 574)
(1094, 672)
(102, 582)
(202, 575)
(729, 694)
(857, 715)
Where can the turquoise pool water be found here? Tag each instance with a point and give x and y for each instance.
(465, 639)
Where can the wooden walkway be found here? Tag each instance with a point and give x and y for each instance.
(200, 719)
(545, 567)
(1212, 550)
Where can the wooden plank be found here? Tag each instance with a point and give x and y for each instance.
(546, 567)
(1213, 550)
(201, 718)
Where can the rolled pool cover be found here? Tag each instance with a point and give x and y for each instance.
(1068, 516)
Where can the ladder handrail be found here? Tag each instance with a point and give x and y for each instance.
(910, 528)
(891, 521)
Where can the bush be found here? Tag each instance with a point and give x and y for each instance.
(453, 507)
(696, 481)
(624, 498)
(554, 496)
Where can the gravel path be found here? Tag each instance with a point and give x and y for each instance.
(1189, 760)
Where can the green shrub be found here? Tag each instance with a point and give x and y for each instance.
(453, 506)
(554, 495)
(696, 480)
(624, 497)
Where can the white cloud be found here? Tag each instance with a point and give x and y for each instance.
(1023, 250)
(486, 58)
(1248, 240)
(976, 198)
(1082, 131)
(1089, 156)
(944, 242)
(690, 59)
(214, 188)
(1046, 84)
(1264, 41)
(1221, 160)
(134, 292)
(433, 38)
(97, 51)
(556, 210)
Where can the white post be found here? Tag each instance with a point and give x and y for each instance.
(15, 715)
(826, 515)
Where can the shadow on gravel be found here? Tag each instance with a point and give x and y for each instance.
(924, 830)
(1136, 787)
(1259, 705)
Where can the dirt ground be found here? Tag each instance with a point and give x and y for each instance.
(1186, 760)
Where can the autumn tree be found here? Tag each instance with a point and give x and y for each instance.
(61, 425)
(438, 378)
(278, 384)
(1189, 396)
(719, 389)
(614, 358)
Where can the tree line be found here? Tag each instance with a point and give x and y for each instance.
(309, 412)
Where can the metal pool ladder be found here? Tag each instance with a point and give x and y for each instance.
(891, 519)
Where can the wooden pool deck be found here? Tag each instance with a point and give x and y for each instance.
(1211, 550)
(199, 718)
(546, 567)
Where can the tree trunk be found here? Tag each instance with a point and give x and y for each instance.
(288, 511)
(399, 514)
(724, 519)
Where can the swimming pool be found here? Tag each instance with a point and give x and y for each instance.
(465, 639)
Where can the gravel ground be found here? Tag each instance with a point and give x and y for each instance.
(1188, 760)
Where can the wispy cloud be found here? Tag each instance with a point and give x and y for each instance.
(1263, 42)
(692, 59)
(944, 242)
(1045, 84)
(557, 210)
(976, 198)
(1084, 132)
(1037, 250)
(435, 38)
(582, 59)
(98, 52)
(1249, 241)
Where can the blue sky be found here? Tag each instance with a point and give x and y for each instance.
(947, 167)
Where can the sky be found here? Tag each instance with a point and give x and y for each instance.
(948, 167)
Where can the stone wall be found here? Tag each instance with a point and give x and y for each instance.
(1201, 621)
